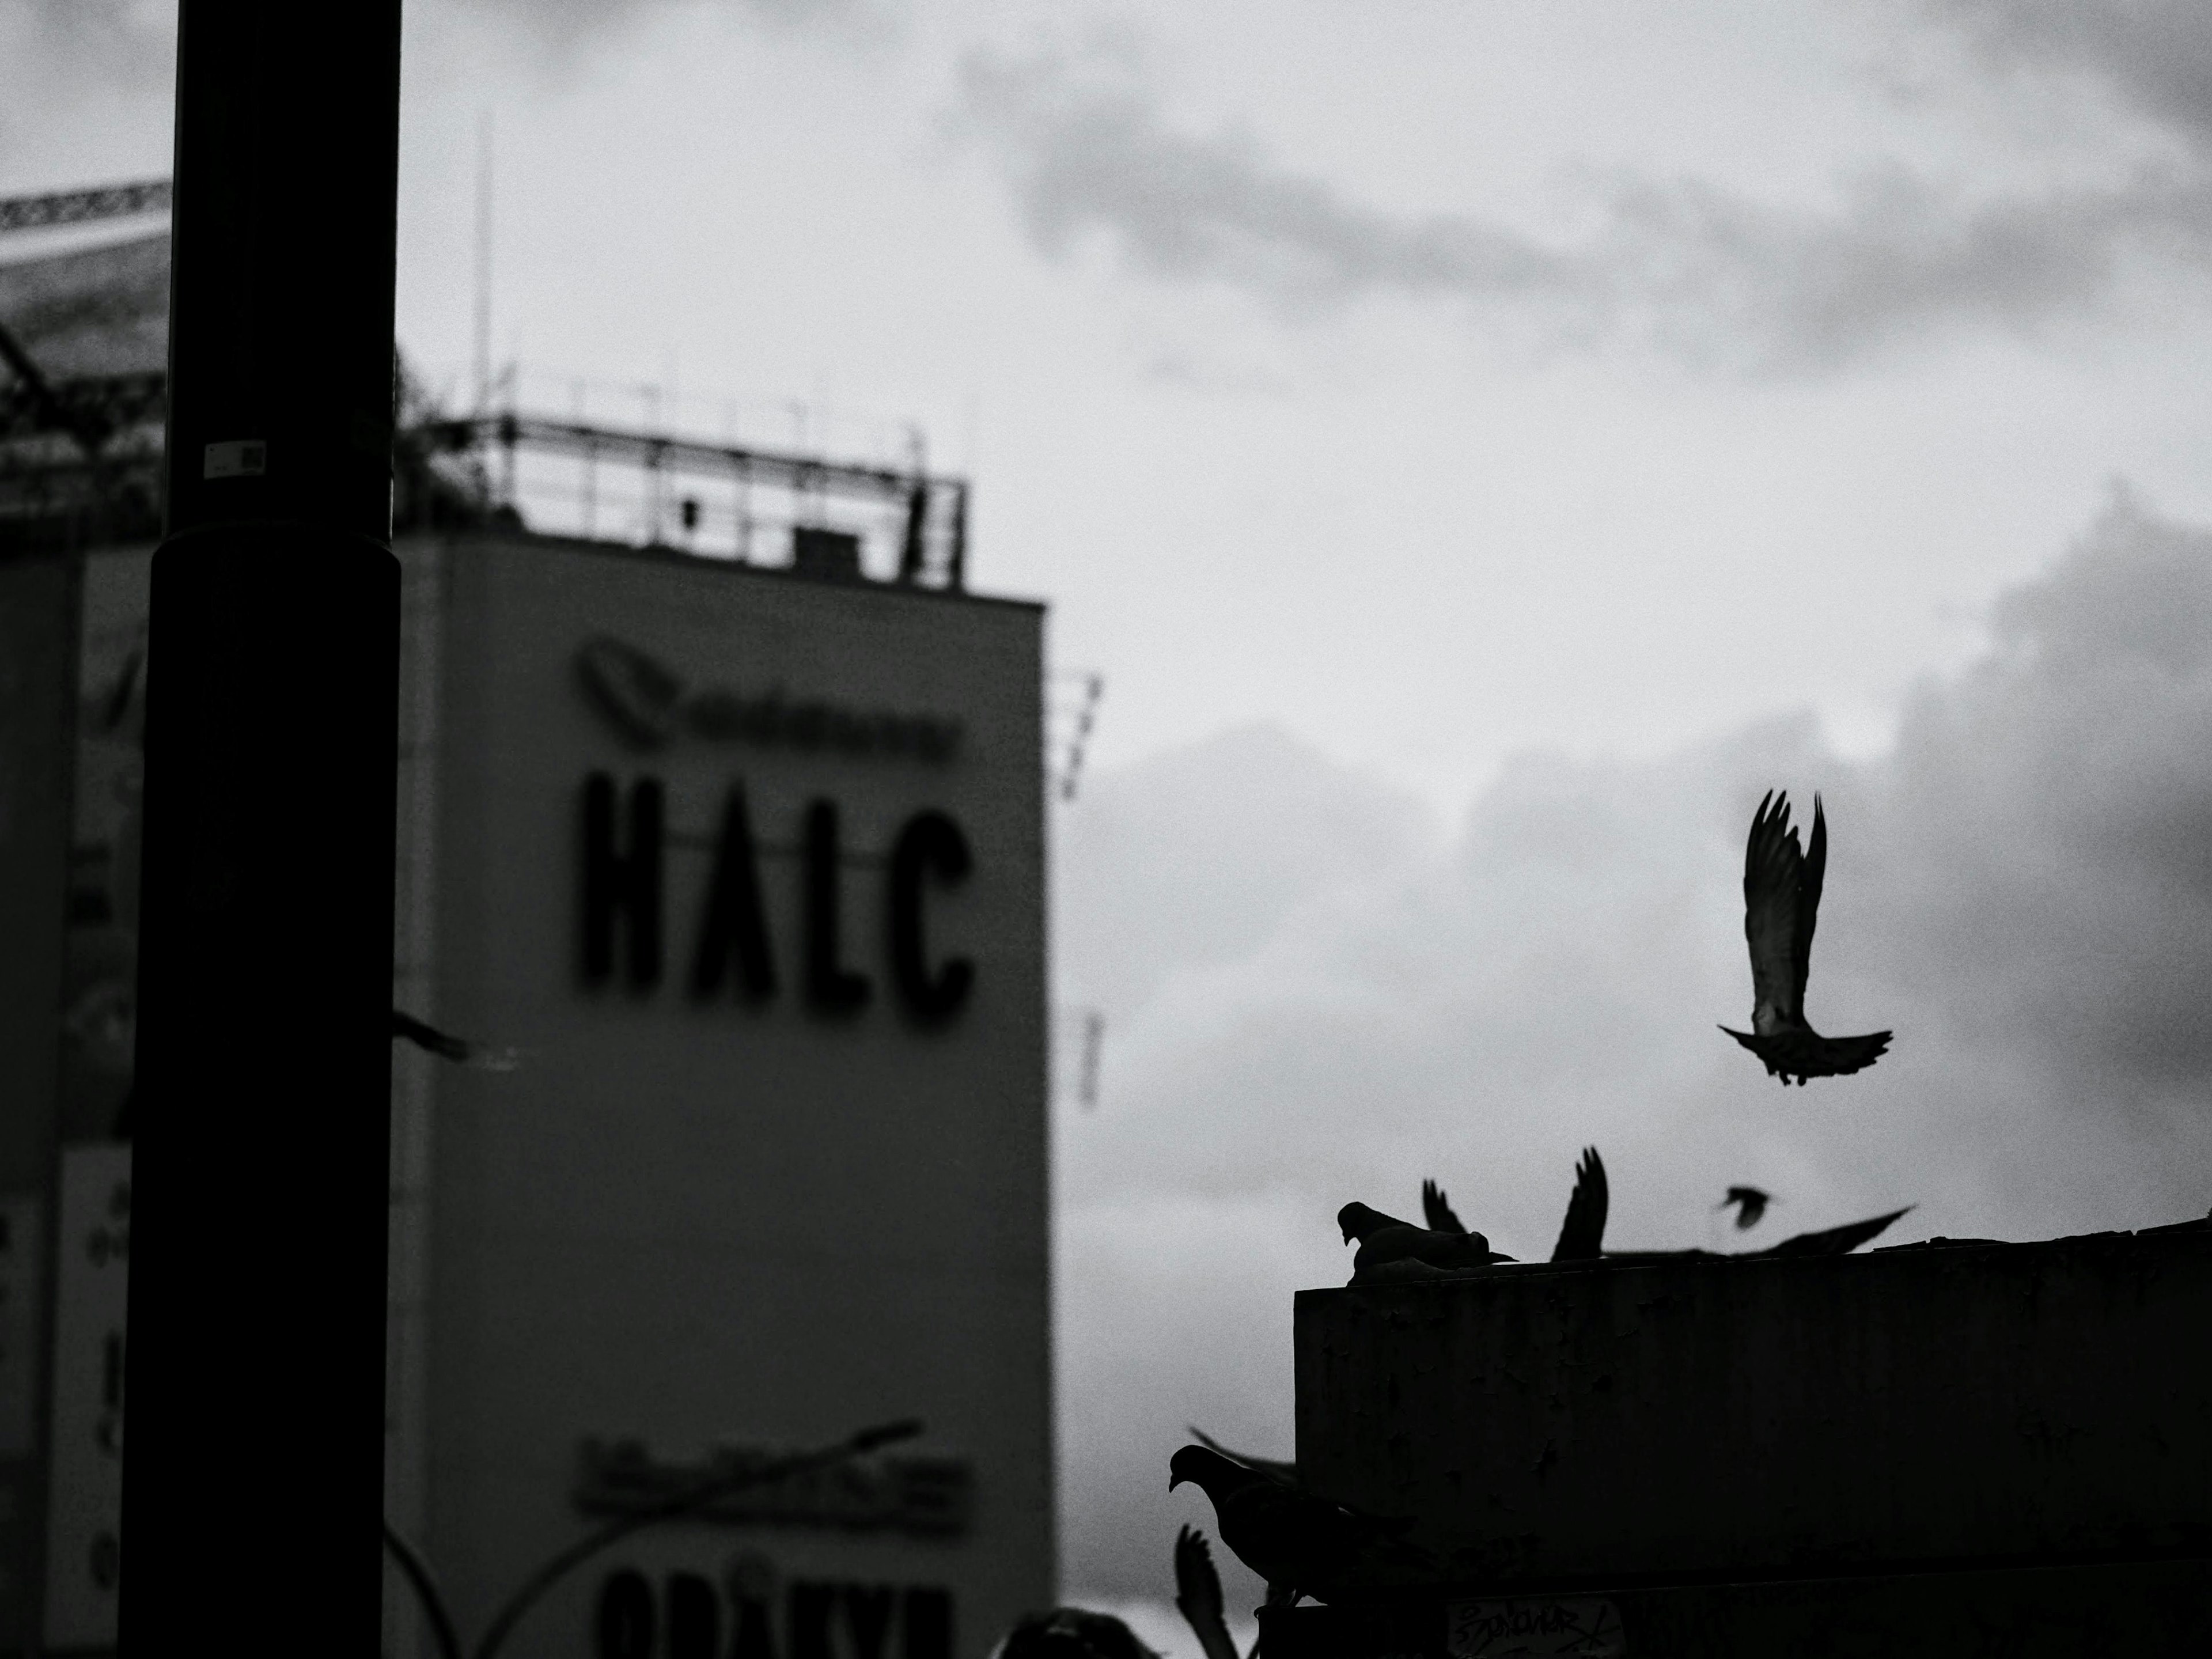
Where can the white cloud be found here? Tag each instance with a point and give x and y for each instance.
(1713, 277)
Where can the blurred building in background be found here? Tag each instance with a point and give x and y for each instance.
(722, 817)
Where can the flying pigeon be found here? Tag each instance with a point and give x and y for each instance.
(1299, 1542)
(1287, 1473)
(1582, 1235)
(1198, 1595)
(405, 1028)
(1384, 1239)
(1437, 1212)
(1781, 900)
(1752, 1205)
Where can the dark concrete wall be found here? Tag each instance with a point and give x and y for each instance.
(1926, 1407)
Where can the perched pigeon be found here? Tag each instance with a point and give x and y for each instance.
(1781, 900)
(1072, 1633)
(1834, 1241)
(1299, 1542)
(1582, 1235)
(1198, 1595)
(1287, 1473)
(1385, 1238)
(1752, 1205)
(1437, 1212)
(406, 1028)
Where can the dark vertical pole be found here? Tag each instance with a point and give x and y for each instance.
(253, 1478)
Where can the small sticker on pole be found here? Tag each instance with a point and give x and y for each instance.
(239, 458)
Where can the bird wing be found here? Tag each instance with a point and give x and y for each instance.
(1774, 887)
(1810, 875)
(1285, 1474)
(1198, 1595)
(1581, 1236)
(1437, 1210)
(1834, 1241)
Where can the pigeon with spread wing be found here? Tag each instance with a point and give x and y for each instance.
(1781, 899)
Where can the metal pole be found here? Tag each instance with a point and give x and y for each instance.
(253, 1479)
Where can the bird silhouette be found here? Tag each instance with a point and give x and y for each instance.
(1384, 1239)
(1072, 1633)
(1781, 901)
(1197, 1595)
(1750, 1204)
(1829, 1241)
(1437, 1210)
(1834, 1241)
(1582, 1235)
(1298, 1541)
(1286, 1473)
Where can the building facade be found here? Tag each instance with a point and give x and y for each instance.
(742, 870)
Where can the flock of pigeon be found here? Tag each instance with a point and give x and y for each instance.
(1781, 885)
(1299, 1541)
(1392, 1251)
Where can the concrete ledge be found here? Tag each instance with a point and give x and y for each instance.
(2133, 1610)
(1923, 1408)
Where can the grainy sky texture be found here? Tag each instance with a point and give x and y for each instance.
(1484, 443)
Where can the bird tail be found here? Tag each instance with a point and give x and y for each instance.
(1853, 1053)
(1801, 1055)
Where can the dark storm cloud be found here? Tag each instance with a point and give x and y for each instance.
(2022, 888)
(1711, 277)
(2047, 828)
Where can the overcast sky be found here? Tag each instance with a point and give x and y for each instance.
(1484, 445)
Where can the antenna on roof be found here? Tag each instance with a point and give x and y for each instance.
(483, 264)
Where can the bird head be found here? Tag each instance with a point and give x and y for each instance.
(1358, 1221)
(1198, 1464)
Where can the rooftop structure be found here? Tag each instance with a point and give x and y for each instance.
(1954, 1446)
(83, 345)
